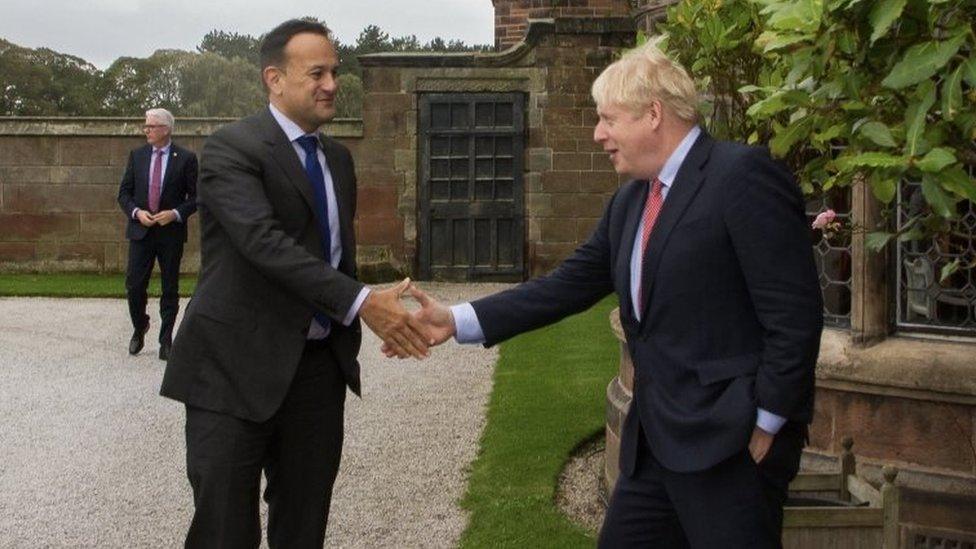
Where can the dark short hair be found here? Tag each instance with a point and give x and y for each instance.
(273, 44)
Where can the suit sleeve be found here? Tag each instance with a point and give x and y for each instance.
(126, 198)
(767, 225)
(576, 285)
(189, 206)
(232, 190)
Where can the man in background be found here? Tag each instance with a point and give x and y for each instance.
(158, 196)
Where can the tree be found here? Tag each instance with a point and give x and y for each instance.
(45, 82)
(212, 85)
(230, 45)
(349, 101)
(135, 85)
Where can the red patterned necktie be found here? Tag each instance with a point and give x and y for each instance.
(155, 182)
(652, 207)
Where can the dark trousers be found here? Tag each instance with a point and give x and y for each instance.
(142, 255)
(298, 450)
(735, 504)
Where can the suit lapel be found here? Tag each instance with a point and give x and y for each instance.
(284, 154)
(627, 238)
(682, 192)
(171, 167)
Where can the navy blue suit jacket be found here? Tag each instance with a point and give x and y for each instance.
(732, 314)
(179, 190)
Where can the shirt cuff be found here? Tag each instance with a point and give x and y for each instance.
(178, 217)
(134, 212)
(356, 305)
(467, 327)
(769, 422)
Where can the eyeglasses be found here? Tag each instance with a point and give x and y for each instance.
(148, 127)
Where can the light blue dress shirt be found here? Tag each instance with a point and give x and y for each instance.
(293, 132)
(469, 328)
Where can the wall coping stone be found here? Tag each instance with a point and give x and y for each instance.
(104, 126)
(906, 367)
(538, 28)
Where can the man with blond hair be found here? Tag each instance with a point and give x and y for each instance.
(708, 252)
(158, 194)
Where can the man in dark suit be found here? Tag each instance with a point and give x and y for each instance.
(709, 254)
(270, 339)
(158, 194)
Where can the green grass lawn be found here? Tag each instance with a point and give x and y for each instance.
(549, 396)
(80, 285)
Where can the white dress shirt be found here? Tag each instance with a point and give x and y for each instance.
(293, 132)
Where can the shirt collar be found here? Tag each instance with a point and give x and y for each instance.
(291, 129)
(164, 149)
(670, 169)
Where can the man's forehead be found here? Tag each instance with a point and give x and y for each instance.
(311, 49)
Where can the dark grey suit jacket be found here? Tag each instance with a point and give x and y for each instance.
(262, 273)
(732, 313)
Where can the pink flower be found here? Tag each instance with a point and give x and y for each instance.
(824, 219)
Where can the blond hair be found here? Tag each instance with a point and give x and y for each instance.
(644, 75)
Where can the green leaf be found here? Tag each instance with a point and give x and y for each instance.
(786, 137)
(878, 133)
(936, 159)
(948, 269)
(941, 203)
(876, 241)
(772, 40)
(796, 16)
(915, 118)
(921, 62)
(956, 180)
(884, 188)
(969, 71)
(869, 160)
(883, 14)
(764, 108)
(952, 94)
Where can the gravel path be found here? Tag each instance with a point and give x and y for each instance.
(91, 456)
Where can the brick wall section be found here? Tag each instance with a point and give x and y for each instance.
(59, 179)
(574, 178)
(511, 16)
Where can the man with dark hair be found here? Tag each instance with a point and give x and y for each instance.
(158, 196)
(270, 339)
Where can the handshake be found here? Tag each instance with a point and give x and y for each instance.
(403, 333)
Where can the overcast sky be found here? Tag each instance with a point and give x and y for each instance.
(100, 31)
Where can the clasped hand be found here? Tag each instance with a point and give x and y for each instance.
(162, 218)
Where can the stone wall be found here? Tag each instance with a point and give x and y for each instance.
(568, 178)
(59, 178)
(512, 16)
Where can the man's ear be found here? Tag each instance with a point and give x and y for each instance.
(654, 114)
(272, 79)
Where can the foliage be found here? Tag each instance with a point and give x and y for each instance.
(548, 397)
(845, 90)
(221, 78)
(881, 91)
(349, 101)
(230, 45)
(43, 82)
